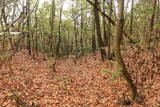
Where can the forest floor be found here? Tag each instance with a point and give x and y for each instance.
(88, 83)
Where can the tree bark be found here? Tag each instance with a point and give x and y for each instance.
(105, 36)
(28, 28)
(109, 31)
(119, 58)
(59, 30)
(153, 15)
(75, 26)
(36, 27)
(99, 37)
(93, 32)
(131, 21)
(52, 21)
(82, 29)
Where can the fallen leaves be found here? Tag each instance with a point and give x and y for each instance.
(74, 85)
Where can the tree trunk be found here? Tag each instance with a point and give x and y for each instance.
(119, 58)
(148, 39)
(82, 23)
(131, 21)
(28, 28)
(109, 32)
(93, 32)
(59, 30)
(153, 15)
(99, 37)
(52, 21)
(75, 22)
(105, 36)
(2, 26)
(36, 27)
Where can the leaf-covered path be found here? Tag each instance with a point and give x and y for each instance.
(73, 85)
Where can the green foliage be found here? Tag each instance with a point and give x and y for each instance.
(114, 64)
(115, 74)
(4, 57)
(157, 26)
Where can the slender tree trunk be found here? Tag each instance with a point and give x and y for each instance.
(131, 21)
(93, 32)
(75, 20)
(28, 28)
(81, 38)
(153, 15)
(76, 36)
(52, 20)
(5, 26)
(2, 25)
(154, 3)
(59, 30)
(99, 37)
(71, 47)
(119, 58)
(109, 31)
(36, 32)
(105, 36)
